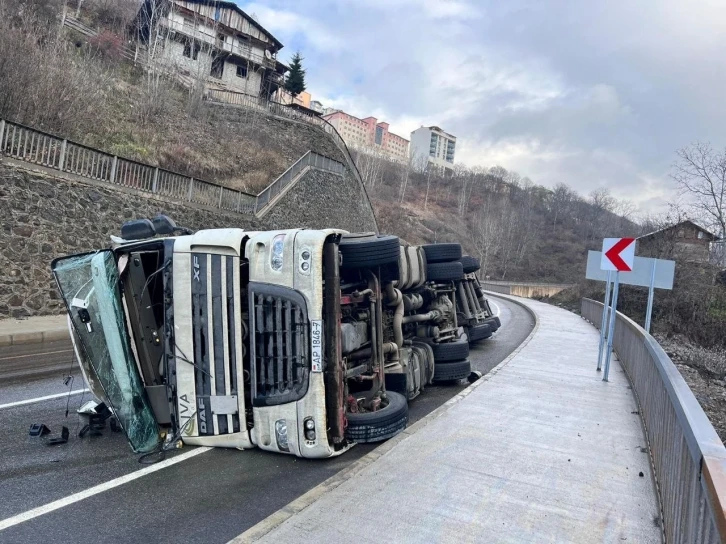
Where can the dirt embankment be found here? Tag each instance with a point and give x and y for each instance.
(705, 373)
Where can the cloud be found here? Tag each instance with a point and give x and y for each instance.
(589, 94)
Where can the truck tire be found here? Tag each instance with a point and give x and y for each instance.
(380, 425)
(470, 264)
(368, 250)
(451, 372)
(493, 323)
(479, 332)
(441, 253)
(444, 271)
(450, 351)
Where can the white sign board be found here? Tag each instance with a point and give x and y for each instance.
(642, 270)
(618, 254)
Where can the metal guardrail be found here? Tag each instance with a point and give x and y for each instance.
(36, 147)
(29, 145)
(276, 108)
(688, 457)
(309, 160)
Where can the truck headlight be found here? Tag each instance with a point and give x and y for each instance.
(281, 435)
(309, 425)
(278, 245)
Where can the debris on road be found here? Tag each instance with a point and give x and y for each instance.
(62, 439)
(39, 429)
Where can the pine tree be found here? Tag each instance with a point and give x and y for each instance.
(295, 82)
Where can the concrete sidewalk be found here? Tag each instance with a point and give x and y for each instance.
(33, 330)
(540, 450)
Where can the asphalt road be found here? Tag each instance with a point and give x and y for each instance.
(208, 498)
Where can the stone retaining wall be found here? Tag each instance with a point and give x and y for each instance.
(45, 216)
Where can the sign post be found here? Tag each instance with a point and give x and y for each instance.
(651, 294)
(611, 327)
(645, 272)
(606, 304)
(618, 255)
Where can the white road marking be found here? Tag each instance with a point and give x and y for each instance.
(492, 303)
(81, 495)
(41, 399)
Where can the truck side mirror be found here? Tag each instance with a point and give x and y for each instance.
(138, 229)
(163, 224)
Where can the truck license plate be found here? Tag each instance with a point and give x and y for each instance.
(317, 344)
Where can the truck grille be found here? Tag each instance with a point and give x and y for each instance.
(215, 334)
(280, 344)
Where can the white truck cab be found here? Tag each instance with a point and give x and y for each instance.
(296, 341)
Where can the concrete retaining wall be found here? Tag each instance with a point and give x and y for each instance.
(526, 290)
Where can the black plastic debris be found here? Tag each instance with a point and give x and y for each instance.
(39, 429)
(115, 425)
(474, 376)
(96, 421)
(62, 439)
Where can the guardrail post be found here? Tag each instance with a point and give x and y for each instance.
(156, 180)
(239, 201)
(220, 198)
(2, 135)
(191, 189)
(114, 168)
(62, 160)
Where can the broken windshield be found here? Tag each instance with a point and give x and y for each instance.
(89, 284)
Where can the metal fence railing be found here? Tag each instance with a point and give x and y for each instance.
(281, 110)
(29, 145)
(309, 160)
(688, 457)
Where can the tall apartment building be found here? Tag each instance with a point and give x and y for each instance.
(368, 135)
(433, 145)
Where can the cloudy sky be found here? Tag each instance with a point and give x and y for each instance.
(589, 93)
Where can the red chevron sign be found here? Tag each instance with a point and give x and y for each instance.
(618, 254)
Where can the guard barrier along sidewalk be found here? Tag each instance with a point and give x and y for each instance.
(688, 457)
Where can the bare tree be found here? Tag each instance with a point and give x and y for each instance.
(44, 79)
(562, 197)
(407, 167)
(700, 173)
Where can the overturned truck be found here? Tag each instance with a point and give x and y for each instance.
(294, 341)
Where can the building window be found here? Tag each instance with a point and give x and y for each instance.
(191, 50)
(241, 71)
(681, 233)
(217, 70)
(700, 235)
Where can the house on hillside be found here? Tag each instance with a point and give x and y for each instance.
(213, 42)
(684, 241)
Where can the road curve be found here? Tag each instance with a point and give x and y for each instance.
(207, 498)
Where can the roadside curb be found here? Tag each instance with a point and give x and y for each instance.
(36, 337)
(274, 520)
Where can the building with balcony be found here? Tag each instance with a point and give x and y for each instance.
(214, 42)
(368, 135)
(431, 145)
